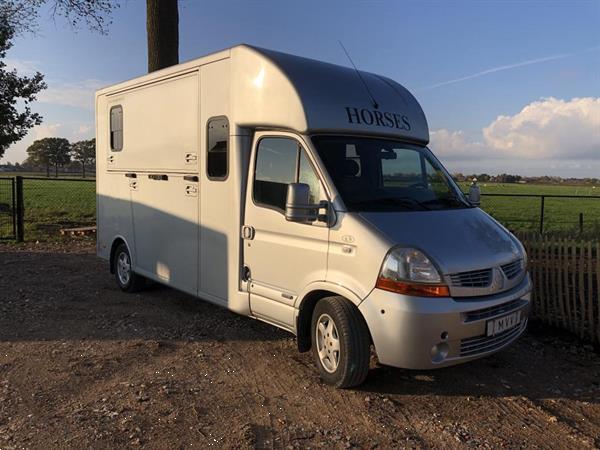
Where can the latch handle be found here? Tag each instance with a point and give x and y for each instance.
(248, 232)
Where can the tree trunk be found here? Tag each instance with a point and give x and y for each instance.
(83, 168)
(47, 170)
(55, 170)
(162, 28)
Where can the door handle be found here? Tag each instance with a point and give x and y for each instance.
(159, 177)
(191, 190)
(248, 232)
(191, 158)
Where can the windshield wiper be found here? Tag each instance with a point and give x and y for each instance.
(454, 201)
(405, 202)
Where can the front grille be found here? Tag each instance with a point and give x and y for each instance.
(492, 311)
(511, 270)
(482, 344)
(472, 279)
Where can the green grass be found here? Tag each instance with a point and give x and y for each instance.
(54, 204)
(535, 189)
(51, 205)
(523, 213)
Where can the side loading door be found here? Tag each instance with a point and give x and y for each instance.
(281, 257)
(165, 222)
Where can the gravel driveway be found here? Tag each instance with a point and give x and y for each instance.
(85, 365)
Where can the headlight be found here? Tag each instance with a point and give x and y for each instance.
(409, 271)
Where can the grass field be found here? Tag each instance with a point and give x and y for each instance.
(54, 204)
(523, 213)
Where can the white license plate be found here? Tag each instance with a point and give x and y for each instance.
(501, 324)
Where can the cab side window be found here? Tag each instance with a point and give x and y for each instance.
(276, 160)
(279, 162)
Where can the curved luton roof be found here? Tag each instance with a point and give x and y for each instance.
(271, 89)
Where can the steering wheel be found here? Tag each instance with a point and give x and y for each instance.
(420, 185)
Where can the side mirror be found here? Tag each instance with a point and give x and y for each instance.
(475, 194)
(297, 204)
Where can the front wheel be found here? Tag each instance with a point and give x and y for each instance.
(127, 279)
(340, 342)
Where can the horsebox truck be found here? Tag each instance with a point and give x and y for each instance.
(303, 194)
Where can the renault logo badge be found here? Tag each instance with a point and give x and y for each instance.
(497, 280)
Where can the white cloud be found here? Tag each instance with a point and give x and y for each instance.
(85, 131)
(454, 145)
(46, 130)
(23, 66)
(77, 94)
(549, 128)
(546, 129)
(547, 137)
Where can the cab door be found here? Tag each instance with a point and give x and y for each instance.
(280, 257)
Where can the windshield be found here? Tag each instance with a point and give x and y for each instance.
(374, 174)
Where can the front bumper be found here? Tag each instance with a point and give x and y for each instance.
(427, 333)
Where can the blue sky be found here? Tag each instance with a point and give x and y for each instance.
(536, 65)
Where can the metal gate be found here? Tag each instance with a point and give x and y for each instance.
(8, 209)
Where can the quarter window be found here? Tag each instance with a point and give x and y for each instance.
(116, 128)
(306, 174)
(217, 148)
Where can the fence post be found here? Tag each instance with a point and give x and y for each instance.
(14, 207)
(542, 215)
(20, 210)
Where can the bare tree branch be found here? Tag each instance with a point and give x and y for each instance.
(23, 15)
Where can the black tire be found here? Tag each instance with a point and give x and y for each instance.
(353, 340)
(133, 282)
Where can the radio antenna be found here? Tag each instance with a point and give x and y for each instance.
(375, 105)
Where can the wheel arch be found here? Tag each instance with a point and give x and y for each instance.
(306, 305)
(118, 240)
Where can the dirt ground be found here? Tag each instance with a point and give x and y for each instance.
(84, 365)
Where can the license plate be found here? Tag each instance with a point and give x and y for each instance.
(501, 324)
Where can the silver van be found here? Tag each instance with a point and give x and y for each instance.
(303, 194)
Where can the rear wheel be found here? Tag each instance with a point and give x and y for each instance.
(127, 279)
(340, 342)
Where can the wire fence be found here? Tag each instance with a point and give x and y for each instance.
(545, 213)
(42, 207)
(7, 209)
(50, 205)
